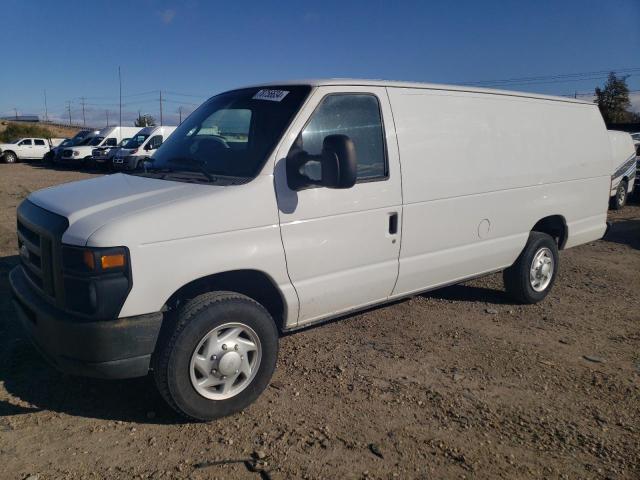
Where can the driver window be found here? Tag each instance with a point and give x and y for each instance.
(111, 142)
(354, 115)
(26, 142)
(155, 142)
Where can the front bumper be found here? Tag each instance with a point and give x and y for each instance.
(119, 348)
(129, 162)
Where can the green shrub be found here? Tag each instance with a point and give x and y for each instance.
(16, 130)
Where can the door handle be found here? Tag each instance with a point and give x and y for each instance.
(393, 223)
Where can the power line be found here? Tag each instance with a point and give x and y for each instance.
(557, 77)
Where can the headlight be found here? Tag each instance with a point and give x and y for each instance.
(96, 280)
(97, 260)
(76, 153)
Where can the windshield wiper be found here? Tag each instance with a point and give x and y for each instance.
(197, 163)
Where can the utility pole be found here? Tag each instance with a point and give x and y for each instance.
(69, 110)
(46, 113)
(180, 112)
(120, 81)
(575, 94)
(160, 107)
(107, 112)
(84, 122)
(16, 110)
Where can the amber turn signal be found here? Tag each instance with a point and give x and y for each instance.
(116, 260)
(89, 261)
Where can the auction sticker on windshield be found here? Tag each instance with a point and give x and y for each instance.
(269, 94)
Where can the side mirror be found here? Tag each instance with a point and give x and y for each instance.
(338, 165)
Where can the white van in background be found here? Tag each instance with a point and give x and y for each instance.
(103, 156)
(109, 137)
(278, 206)
(624, 160)
(141, 147)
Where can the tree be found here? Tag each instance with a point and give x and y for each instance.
(145, 120)
(613, 100)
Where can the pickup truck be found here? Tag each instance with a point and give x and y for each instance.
(27, 149)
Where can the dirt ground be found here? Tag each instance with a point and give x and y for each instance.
(456, 383)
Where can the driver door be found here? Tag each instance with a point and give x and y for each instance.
(342, 245)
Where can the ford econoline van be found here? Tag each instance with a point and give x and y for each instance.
(275, 207)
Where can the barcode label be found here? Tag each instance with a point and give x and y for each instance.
(271, 95)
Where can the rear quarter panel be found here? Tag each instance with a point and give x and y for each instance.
(479, 170)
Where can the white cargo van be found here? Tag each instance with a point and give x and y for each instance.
(623, 167)
(141, 147)
(107, 137)
(278, 206)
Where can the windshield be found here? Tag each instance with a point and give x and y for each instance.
(635, 136)
(230, 135)
(95, 141)
(136, 141)
(84, 141)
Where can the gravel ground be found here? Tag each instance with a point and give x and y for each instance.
(456, 383)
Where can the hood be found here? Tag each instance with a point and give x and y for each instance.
(131, 210)
(123, 152)
(82, 148)
(90, 204)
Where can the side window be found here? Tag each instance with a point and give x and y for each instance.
(111, 142)
(39, 142)
(26, 142)
(354, 115)
(155, 142)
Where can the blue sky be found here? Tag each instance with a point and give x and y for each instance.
(195, 48)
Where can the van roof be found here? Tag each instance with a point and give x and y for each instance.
(427, 86)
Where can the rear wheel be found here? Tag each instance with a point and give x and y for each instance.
(531, 277)
(10, 157)
(218, 357)
(620, 200)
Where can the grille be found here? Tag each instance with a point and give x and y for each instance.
(39, 243)
(35, 256)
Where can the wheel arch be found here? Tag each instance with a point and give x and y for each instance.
(255, 284)
(555, 226)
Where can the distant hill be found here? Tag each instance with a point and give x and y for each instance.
(12, 130)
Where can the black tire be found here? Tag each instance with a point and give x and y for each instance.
(10, 157)
(620, 200)
(517, 280)
(193, 321)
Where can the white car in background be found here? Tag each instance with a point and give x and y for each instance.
(27, 149)
(624, 162)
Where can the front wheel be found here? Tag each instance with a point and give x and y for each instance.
(531, 277)
(218, 357)
(620, 200)
(10, 157)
